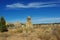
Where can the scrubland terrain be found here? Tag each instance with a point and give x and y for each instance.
(35, 33)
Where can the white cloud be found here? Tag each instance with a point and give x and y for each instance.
(46, 20)
(32, 5)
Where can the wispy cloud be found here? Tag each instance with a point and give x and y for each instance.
(33, 5)
(46, 20)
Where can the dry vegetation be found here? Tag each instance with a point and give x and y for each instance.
(37, 33)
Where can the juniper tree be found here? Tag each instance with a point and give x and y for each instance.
(3, 27)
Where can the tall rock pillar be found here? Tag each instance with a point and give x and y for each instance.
(28, 22)
(28, 25)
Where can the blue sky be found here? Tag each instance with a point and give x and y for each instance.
(40, 11)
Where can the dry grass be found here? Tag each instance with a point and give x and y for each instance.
(41, 33)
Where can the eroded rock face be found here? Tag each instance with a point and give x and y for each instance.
(17, 24)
